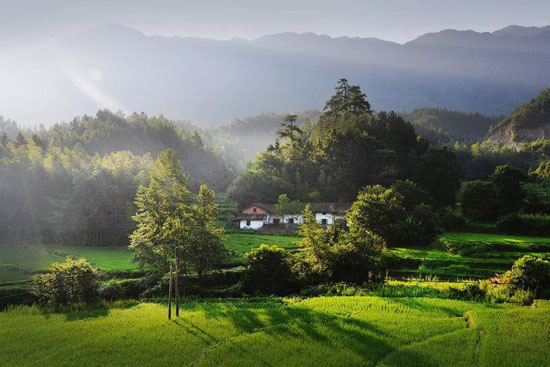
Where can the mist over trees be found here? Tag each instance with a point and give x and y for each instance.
(76, 182)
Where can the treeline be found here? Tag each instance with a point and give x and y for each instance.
(76, 183)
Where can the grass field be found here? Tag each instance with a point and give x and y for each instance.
(501, 252)
(17, 262)
(338, 331)
(240, 244)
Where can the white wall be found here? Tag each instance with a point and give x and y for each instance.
(297, 219)
(254, 224)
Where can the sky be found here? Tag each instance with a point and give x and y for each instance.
(28, 23)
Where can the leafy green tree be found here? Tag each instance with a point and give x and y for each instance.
(289, 128)
(510, 194)
(357, 256)
(478, 200)
(164, 214)
(339, 253)
(439, 173)
(204, 247)
(269, 271)
(315, 242)
(347, 99)
(285, 206)
(380, 211)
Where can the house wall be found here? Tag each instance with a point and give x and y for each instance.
(250, 210)
(331, 218)
(297, 219)
(254, 224)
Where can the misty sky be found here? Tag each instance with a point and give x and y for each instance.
(33, 22)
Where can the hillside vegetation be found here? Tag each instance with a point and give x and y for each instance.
(342, 331)
(531, 121)
(442, 126)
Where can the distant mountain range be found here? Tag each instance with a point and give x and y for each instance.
(211, 82)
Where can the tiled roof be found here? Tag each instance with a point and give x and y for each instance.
(268, 207)
(334, 207)
(249, 217)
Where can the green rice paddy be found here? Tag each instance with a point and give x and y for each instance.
(331, 331)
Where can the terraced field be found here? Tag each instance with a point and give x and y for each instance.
(480, 255)
(337, 331)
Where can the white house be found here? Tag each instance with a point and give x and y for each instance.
(260, 215)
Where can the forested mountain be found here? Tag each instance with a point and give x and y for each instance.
(211, 82)
(443, 126)
(529, 122)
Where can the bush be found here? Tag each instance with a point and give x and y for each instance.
(122, 289)
(68, 283)
(357, 258)
(529, 225)
(269, 271)
(452, 220)
(530, 273)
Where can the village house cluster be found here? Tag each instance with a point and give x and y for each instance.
(260, 216)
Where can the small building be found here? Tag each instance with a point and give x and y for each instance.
(260, 216)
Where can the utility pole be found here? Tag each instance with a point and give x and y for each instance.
(177, 287)
(170, 295)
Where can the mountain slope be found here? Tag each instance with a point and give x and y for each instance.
(529, 122)
(212, 82)
(442, 126)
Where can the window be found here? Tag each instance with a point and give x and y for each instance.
(323, 221)
(254, 210)
(291, 220)
(248, 223)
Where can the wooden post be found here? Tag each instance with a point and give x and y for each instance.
(177, 286)
(170, 295)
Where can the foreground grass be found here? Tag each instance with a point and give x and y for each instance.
(339, 331)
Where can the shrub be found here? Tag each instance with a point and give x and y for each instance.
(530, 273)
(452, 220)
(530, 225)
(122, 289)
(68, 283)
(268, 271)
(357, 257)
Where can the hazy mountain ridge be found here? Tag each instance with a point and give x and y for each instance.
(211, 82)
